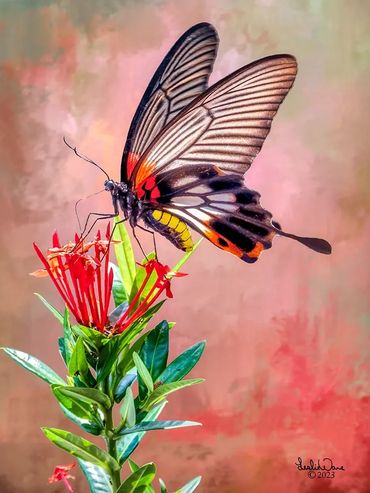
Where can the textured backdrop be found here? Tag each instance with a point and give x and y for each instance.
(287, 359)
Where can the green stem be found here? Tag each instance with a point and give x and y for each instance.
(112, 450)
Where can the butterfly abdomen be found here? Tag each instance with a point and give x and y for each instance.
(171, 227)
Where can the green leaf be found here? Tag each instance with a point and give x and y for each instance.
(62, 349)
(81, 448)
(128, 412)
(167, 388)
(34, 365)
(132, 465)
(83, 413)
(186, 257)
(92, 396)
(127, 363)
(92, 337)
(138, 480)
(122, 386)
(108, 358)
(53, 310)
(157, 425)
(78, 364)
(191, 486)
(69, 340)
(124, 254)
(119, 292)
(91, 423)
(113, 347)
(86, 380)
(143, 372)
(127, 444)
(98, 479)
(163, 486)
(154, 351)
(182, 365)
(140, 324)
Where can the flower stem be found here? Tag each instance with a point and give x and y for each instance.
(112, 450)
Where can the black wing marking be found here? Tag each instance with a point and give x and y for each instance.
(216, 205)
(181, 77)
(221, 208)
(227, 125)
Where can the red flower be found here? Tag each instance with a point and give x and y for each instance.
(61, 474)
(85, 281)
(139, 306)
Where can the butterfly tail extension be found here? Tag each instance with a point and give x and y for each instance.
(319, 245)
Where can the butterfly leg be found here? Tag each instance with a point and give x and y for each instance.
(84, 234)
(153, 235)
(138, 242)
(112, 233)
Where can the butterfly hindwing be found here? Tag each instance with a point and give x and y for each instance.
(182, 76)
(215, 204)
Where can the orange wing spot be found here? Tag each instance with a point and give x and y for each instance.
(255, 253)
(228, 246)
(223, 243)
(145, 170)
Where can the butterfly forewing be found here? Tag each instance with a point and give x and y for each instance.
(194, 168)
(180, 78)
(226, 126)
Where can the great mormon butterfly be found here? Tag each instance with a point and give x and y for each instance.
(189, 146)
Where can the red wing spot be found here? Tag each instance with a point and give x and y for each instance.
(155, 193)
(150, 186)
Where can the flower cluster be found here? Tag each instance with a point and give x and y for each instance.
(81, 273)
(83, 280)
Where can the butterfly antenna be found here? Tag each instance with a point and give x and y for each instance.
(76, 212)
(85, 158)
(80, 200)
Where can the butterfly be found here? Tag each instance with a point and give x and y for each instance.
(189, 146)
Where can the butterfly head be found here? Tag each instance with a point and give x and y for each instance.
(109, 185)
(114, 186)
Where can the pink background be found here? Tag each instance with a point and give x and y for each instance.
(287, 359)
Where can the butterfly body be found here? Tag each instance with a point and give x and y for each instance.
(125, 199)
(189, 146)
